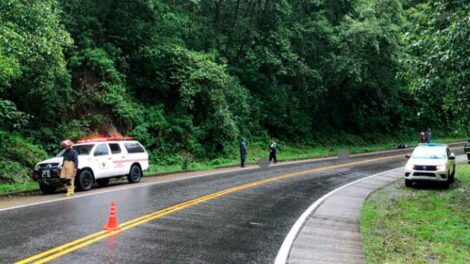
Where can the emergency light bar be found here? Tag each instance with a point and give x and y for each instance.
(103, 139)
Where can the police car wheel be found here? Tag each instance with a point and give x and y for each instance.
(47, 189)
(85, 180)
(134, 174)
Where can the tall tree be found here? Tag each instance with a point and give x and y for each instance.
(33, 67)
(438, 60)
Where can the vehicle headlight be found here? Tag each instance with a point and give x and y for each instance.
(442, 167)
(36, 167)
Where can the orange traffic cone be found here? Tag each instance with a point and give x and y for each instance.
(112, 220)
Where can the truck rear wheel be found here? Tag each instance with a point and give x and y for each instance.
(135, 174)
(47, 189)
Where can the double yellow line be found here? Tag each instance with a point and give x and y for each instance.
(64, 249)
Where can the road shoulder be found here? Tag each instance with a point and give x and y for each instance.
(330, 233)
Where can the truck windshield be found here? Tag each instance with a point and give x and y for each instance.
(429, 153)
(81, 149)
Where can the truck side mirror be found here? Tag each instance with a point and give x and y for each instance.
(407, 156)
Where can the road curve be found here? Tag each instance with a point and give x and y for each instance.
(236, 217)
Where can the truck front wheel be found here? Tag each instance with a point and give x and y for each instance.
(408, 183)
(85, 180)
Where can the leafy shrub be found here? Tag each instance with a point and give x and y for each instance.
(17, 158)
(217, 161)
(13, 172)
(10, 117)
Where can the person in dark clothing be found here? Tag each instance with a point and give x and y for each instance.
(422, 138)
(70, 166)
(273, 151)
(429, 135)
(243, 152)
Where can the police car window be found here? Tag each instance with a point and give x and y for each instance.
(115, 148)
(101, 150)
(134, 147)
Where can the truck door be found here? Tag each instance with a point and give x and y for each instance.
(118, 159)
(102, 161)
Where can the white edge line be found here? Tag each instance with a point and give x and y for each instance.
(284, 251)
(108, 191)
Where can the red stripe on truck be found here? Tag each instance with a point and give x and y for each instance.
(123, 161)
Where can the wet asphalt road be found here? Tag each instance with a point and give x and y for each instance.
(247, 226)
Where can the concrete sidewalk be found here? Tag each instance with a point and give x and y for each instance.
(328, 231)
(331, 234)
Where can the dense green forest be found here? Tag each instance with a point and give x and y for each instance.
(194, 76)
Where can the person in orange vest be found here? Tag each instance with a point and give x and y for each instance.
(70, 166)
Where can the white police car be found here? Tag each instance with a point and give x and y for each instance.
(430, 162)
(100, 159)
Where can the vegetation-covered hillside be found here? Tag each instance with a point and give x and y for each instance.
(194, 76)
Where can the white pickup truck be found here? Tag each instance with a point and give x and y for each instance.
(99, 159)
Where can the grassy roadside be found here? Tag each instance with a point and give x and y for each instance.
(16, 187)
(256, 151)
(423, 225)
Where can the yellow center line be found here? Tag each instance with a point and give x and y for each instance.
(64, 249)
(45, 253)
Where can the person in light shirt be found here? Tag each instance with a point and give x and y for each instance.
(273, 151)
